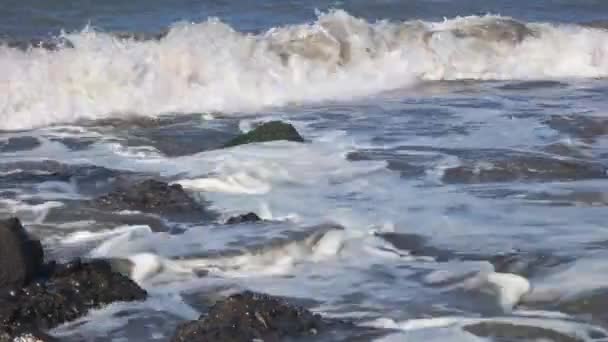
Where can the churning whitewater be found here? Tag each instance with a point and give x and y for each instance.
(398, 175)
(210, 67)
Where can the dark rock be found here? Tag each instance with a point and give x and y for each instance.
(153, 196)
(269, 131)
(35, 297)
(121, 266)
(244, 218)
(249, 316)
(21, 258)
(64, 293)
(508, 332)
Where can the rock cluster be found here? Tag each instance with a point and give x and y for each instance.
(268, 131)
(36, 296)
(250, 316)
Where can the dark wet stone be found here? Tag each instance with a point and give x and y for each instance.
(508, 332)
(121, 266)
(21, 257)
(580, 126)
(268, 131)
(244, 218)
(524, 168)
(16, 144)
(153, 196)
(64, 293)
(248, 316)
(35, 297)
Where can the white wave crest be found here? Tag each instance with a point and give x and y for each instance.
(209, 66)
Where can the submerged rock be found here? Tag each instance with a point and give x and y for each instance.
(244, 218)
(21, 258)
(250, 316)
(269, 131)
(152, 196)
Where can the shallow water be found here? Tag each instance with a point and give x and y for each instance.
(478, 141)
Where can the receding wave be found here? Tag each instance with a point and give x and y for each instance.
(210, 66)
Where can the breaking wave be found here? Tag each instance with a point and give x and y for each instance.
(209, 66)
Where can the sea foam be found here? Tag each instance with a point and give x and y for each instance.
(209, 66)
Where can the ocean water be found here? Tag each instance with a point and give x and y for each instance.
(453, 175)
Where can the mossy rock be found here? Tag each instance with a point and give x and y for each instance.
(268, 131)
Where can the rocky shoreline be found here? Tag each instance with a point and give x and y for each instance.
(37, 295)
